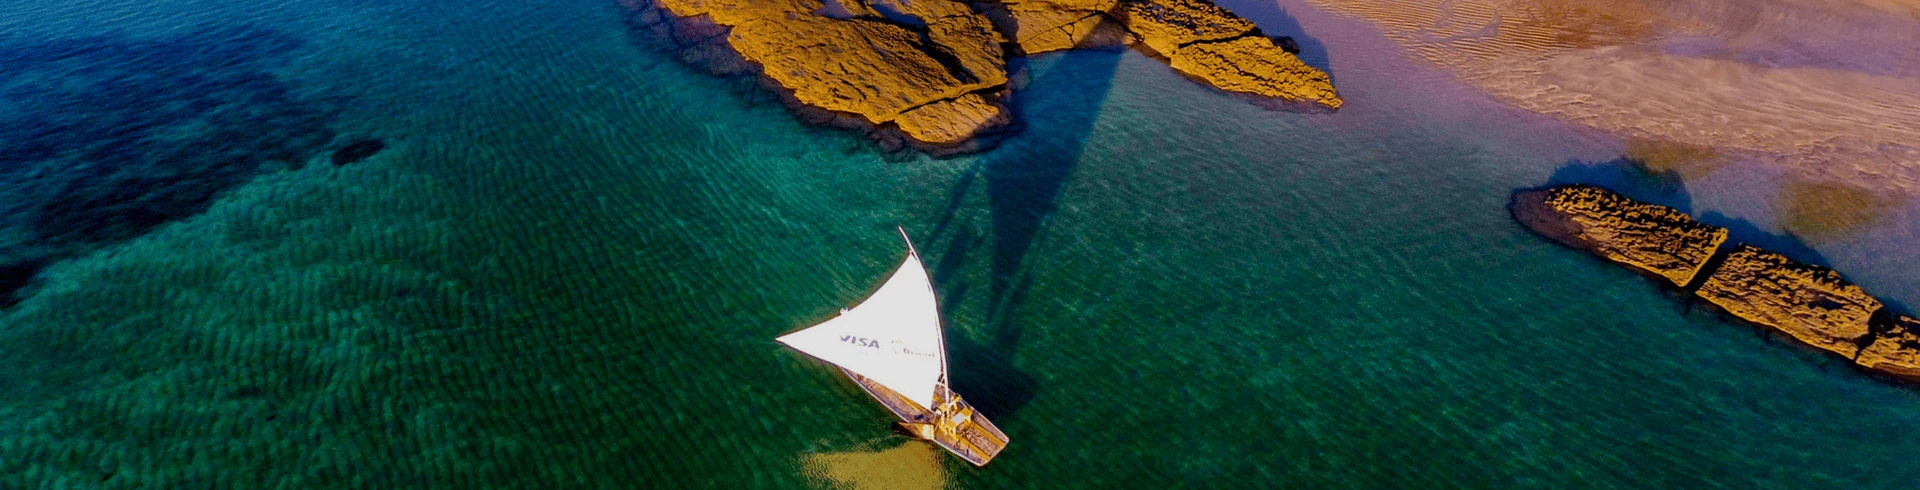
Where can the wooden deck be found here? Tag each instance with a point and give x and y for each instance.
(962, 431)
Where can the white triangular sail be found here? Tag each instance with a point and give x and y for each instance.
(892, 338)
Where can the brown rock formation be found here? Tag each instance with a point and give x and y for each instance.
(1654, 239)
(1039, 26)
(934, 70)
(867, 66)
(1166, 25)
(1211, 44)
(1895, 349)
(952, 122)
(1255, 65)
(1811, 303)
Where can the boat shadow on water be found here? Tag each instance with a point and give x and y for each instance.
(1023, 180)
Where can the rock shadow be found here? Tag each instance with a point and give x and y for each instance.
(1637, 181)
(103, 139)
(1274, 21)
(1630, 178)
(1024, 178)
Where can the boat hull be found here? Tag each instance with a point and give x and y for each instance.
(960, 429)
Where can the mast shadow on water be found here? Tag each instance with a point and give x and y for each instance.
(1024, 179)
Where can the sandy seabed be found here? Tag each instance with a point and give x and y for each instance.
(1827, 91)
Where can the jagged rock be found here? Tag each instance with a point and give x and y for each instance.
(1287, 44)
(935, 69)
(1654, 239)
(873, 69)
(1166, 25)
(1255, 65)
(1039, 26)
(951, 124)
(1213, 45)
(876, 68)
(1895, 349)
(1809, 302)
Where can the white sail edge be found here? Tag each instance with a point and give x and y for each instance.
(892, 337)
(939, 329)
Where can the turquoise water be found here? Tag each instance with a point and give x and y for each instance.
(567, 268)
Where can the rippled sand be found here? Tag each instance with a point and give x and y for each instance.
(1830, 90)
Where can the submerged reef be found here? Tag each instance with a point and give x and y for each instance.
(102, 139)
(356, 151)
(933, 73)
(1809, 303)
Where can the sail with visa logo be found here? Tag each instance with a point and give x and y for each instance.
(891, 345)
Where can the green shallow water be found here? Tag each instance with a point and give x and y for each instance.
(568, 268)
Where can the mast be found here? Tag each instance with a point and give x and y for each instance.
(940, 327)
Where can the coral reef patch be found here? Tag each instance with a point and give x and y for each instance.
(105, 138)
(356, 151)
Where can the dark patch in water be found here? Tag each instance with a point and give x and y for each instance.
(357, 151)
(1024, 182)
(13, 278)
(104, 138)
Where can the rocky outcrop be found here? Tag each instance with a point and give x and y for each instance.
(1209, 43)
(1039, 26)
(1811, 303)
(863, 65)
(934, 71)
(1895, 349)
(1654, 239)
(1255, 65)
(1164, 26)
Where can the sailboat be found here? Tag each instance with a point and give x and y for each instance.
(891, 345)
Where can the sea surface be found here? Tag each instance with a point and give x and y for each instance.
(567, 266)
